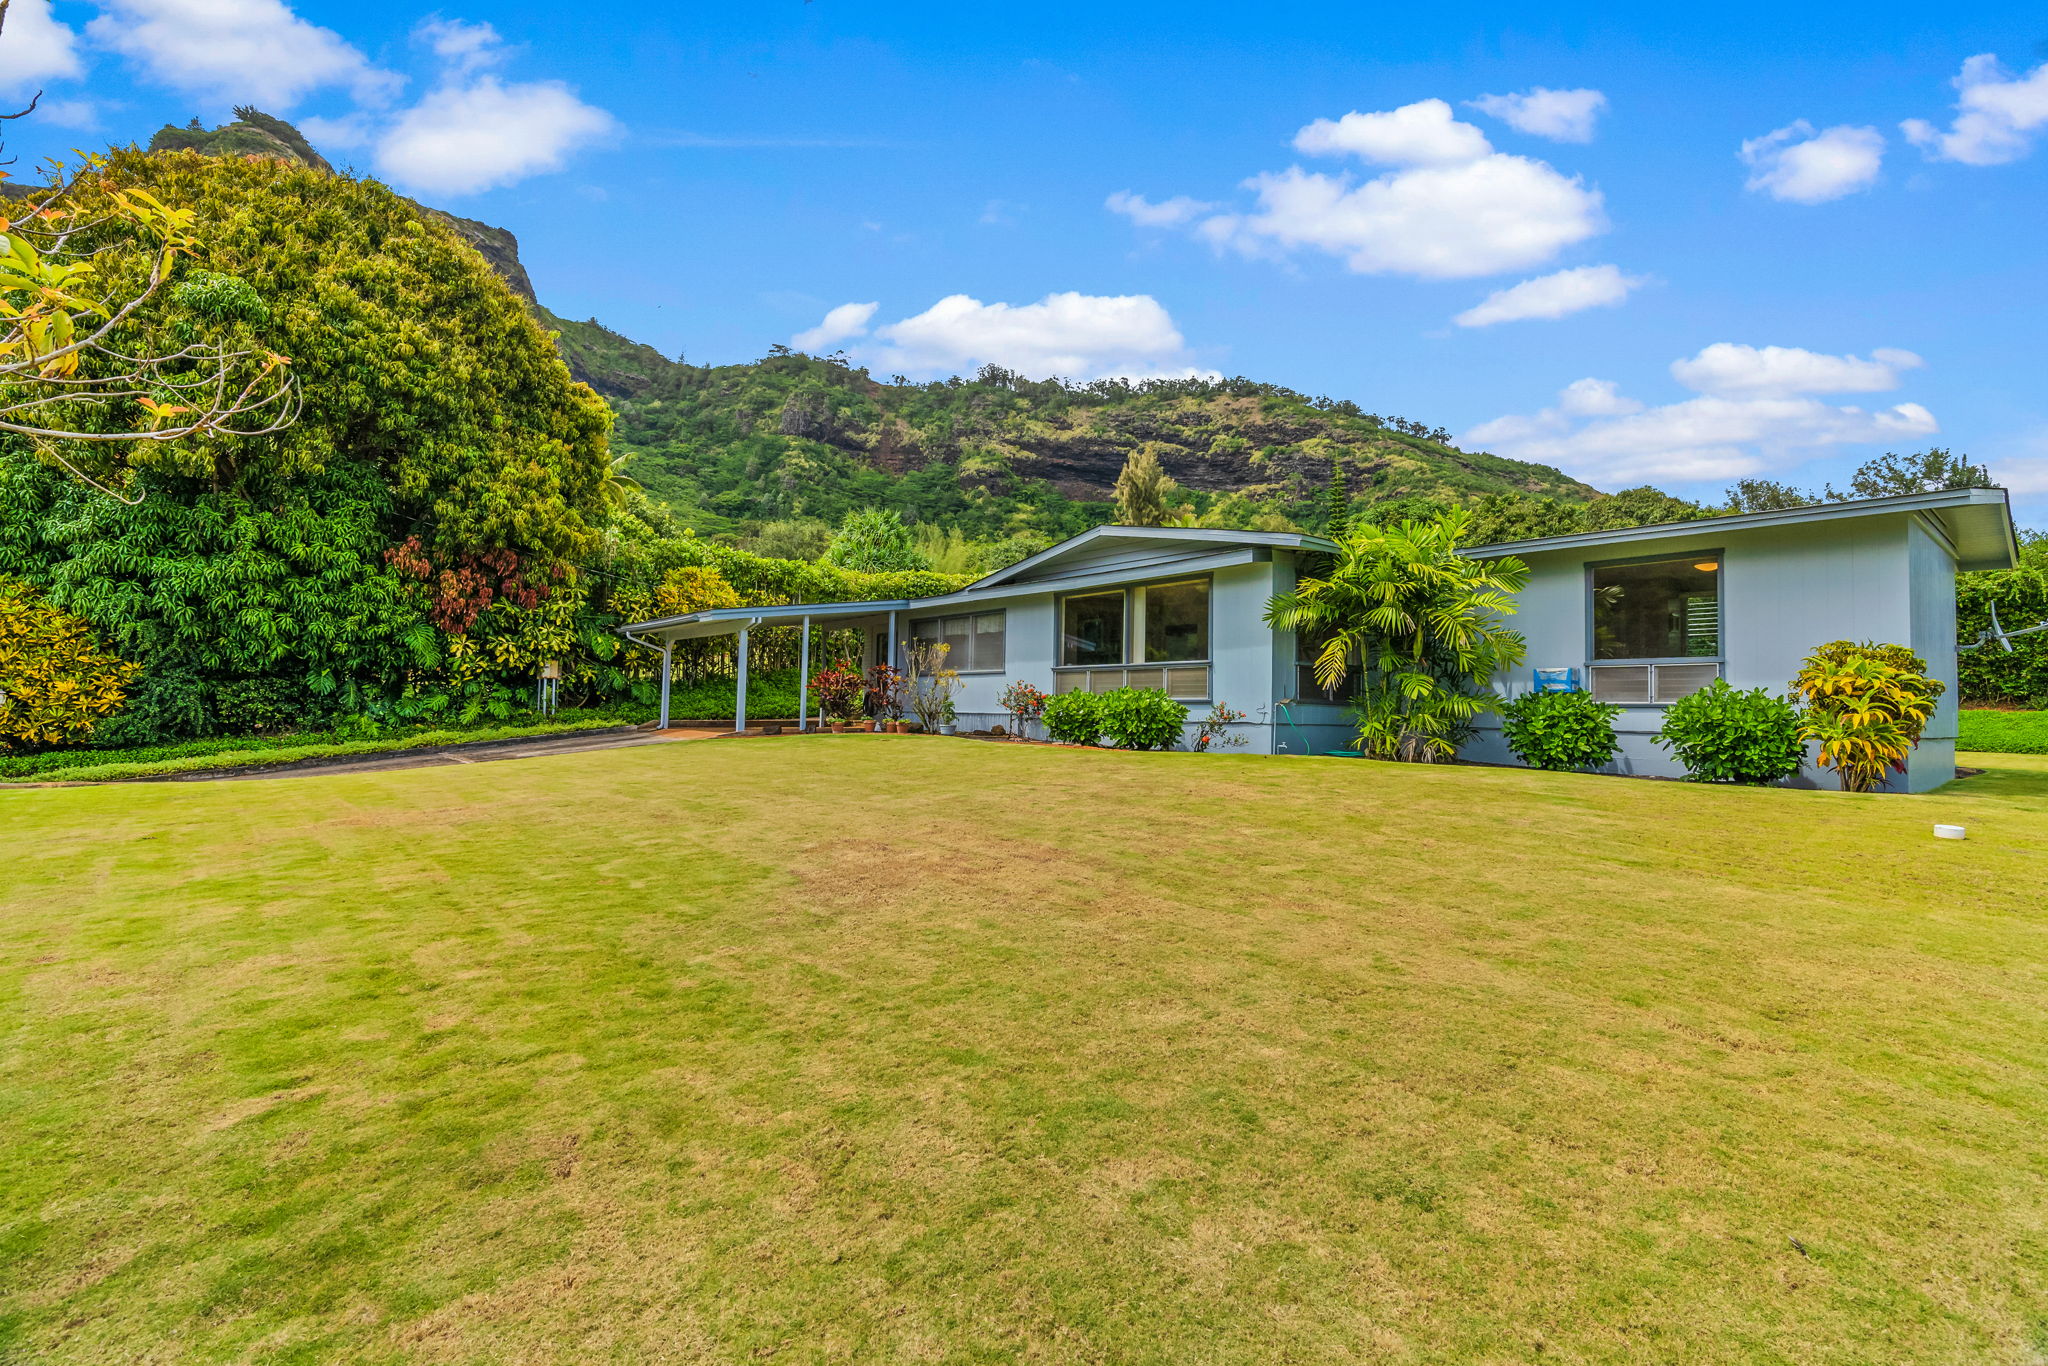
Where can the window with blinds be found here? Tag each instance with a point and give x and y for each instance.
(975, 641)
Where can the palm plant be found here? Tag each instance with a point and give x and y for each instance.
(618, 484)
(1425, 622)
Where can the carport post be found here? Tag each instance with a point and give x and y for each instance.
(667, 658)
(894, 662)
(739, 720)
(803, 673)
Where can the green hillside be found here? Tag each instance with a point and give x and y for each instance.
(796, 436)
(791, 436)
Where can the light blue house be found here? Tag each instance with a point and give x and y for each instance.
(1640, 617)
(1648, 614)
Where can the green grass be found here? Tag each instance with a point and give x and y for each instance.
(2004, 732)
(103, 765)
(887, 1049)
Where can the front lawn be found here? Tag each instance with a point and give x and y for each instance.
(886, 1049)
(2003, 732)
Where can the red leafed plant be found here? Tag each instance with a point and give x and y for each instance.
(461, 589)
(839, 692)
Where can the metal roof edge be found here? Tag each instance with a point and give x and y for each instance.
(1936, 500)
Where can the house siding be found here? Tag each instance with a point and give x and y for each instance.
(1784, 590)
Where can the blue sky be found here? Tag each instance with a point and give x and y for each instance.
(1770, 240)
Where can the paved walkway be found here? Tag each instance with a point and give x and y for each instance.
(575, 742)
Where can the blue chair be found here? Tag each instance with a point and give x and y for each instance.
(1557, 680)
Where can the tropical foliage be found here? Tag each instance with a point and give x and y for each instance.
(1140, 718)
(1989, 672)
(56, 681)
(1560, 730)
(1074, 718)
(1866, 707)
(1723, 734)
(874, 540)
(839, 693)
(1426, 624)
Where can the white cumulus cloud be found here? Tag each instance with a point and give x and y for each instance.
(484, 133)
(1732, 370)
(1070, 335)
(1560, 115)
(1421, 134)
(1451, 208)
(247, 51)
(1551, 296)
(36, 48)
(1167, 213)
(1756, 412)
(461, 45)
(1806, 167)
(1997, 115)
(842, 323)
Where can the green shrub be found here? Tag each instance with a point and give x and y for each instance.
(1724, 735)
(1074, 718)
(1141, 718)
(1560, 730)
(2003, 732)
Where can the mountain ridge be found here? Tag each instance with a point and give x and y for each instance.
(796, 436)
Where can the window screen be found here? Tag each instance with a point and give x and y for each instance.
(973, 641)
(1664, 609)
(1092, 629)
(1177, 621)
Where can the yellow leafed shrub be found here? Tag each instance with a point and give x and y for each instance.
(1866, 706)
(56, 680)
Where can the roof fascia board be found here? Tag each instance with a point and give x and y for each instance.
(1284, 540)
(1748, 521)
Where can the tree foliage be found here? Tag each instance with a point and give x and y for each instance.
(1143, 490)
(875, 541)
(414, 359)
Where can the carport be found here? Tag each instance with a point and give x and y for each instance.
(870, 618)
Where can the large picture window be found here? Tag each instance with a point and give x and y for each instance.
(1659, 609)
(1176, 621)
(1092, 629)
(975, 640)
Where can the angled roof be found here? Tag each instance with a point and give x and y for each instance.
(1135, 544)
(1977, 521)
(1101, 557)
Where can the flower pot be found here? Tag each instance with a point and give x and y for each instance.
(838, 727)
(949, 729)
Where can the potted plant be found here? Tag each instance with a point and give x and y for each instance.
(931, 685)
(884, 701)
(947, 720)
(839, 696)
